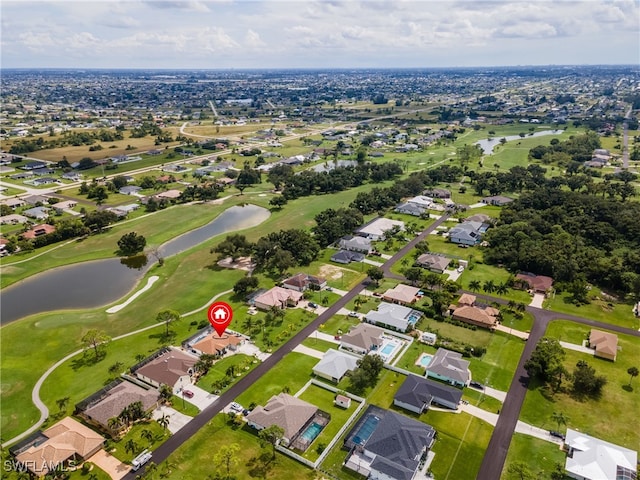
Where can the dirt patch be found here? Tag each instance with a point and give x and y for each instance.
(242, 263)
(331, 272)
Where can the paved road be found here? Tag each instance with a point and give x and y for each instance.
(496, 454)
(625, 139)
(244, 383)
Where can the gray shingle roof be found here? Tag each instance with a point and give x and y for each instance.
(418, 391)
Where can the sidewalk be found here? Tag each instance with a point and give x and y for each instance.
(512, 331)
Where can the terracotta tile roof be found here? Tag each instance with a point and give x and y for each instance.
(66, 438)
(467, 299)
(278, 296)
(401, 293)
(168, 367)
(538, 283)
(604, 342)
(214, 343)
(475, 315)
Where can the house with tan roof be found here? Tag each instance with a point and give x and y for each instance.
(277, 297)
(301, 282)
(38, 230)
(433, 262)
(479, 315)
(362, 339)
(108, 403)
(170, 367)
(210, 343)
(533, 282)
(288, 412)
(402, 294)
(605, 344)
(64, 442)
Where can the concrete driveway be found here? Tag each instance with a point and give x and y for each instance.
(177, 420)
(537, 300)
(110, 464)
(201, 398)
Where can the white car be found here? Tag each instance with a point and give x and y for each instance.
(236, 407)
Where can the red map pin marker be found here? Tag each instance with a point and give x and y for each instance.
(220, 315)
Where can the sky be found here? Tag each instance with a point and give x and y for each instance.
(241, 34)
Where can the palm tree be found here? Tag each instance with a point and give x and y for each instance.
(511, 305)
(167, 316)
(147, 434)
(489, 286)
(560, 418)
(166, 392)
(164, 421)
(62, 403)
(502, 288)
(633, 371)
(114, 423)
(131, 446)
(475, 285)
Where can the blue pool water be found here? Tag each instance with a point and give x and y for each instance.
(366, 430)
(388, 349)
(425, 360)
(312, 432)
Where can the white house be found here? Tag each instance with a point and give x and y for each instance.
(589, 458)
(334, 365)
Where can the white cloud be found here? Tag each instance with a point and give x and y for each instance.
(252, 39)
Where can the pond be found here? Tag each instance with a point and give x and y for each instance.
(488, 143)
(100, 282)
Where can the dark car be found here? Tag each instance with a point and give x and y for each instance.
(188, 393)
(477, 385)
(553, 433)
(313, 305)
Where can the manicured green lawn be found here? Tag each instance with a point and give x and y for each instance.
(497, 366)
(615, 313)
(539, 455)
(194, 459)
(339, 323)
(182, 405)
(159, 437)
(319, 344)
(612, 417)
(240, 361)
(460, 446)
(292, 372)
(480, 336)
(324, 400)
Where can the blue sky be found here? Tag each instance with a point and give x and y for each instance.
(317, 33)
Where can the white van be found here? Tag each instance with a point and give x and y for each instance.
(140, 460)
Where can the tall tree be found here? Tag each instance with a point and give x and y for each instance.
(94, 338)
(167, 316)
(633, 372)
(545, 359)
(226, 458)
(272, 435)
(560, 418)
(131, 243)
(376, 274)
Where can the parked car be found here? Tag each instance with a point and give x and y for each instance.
(236, 407)
(477, 385)
(353, 314)
(187, 393)
(329, 289)
(553, 433)
(313, 305)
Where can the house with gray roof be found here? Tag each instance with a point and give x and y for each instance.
(335, 364)
(129, 190)
(417, 394)
(109, 403)
(410, 209)
(449, 367)
(387, 445)
(468, 233)
(356, 244)
(433, 262)
(346, 257)
(39, 213)
(497, 200)
(362, 339)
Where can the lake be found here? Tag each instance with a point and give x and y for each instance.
(488, 143)
(101, 282)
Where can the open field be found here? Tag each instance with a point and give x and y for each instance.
(592, 416)
(606, 311)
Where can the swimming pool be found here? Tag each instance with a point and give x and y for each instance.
(425, 359)
(388, 349)
(366, 430)
(311, 432)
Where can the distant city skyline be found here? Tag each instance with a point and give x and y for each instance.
(243, 34)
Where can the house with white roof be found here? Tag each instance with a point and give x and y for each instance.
(589, 458)
(334, 365)
(393, 316)
(377, 228)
